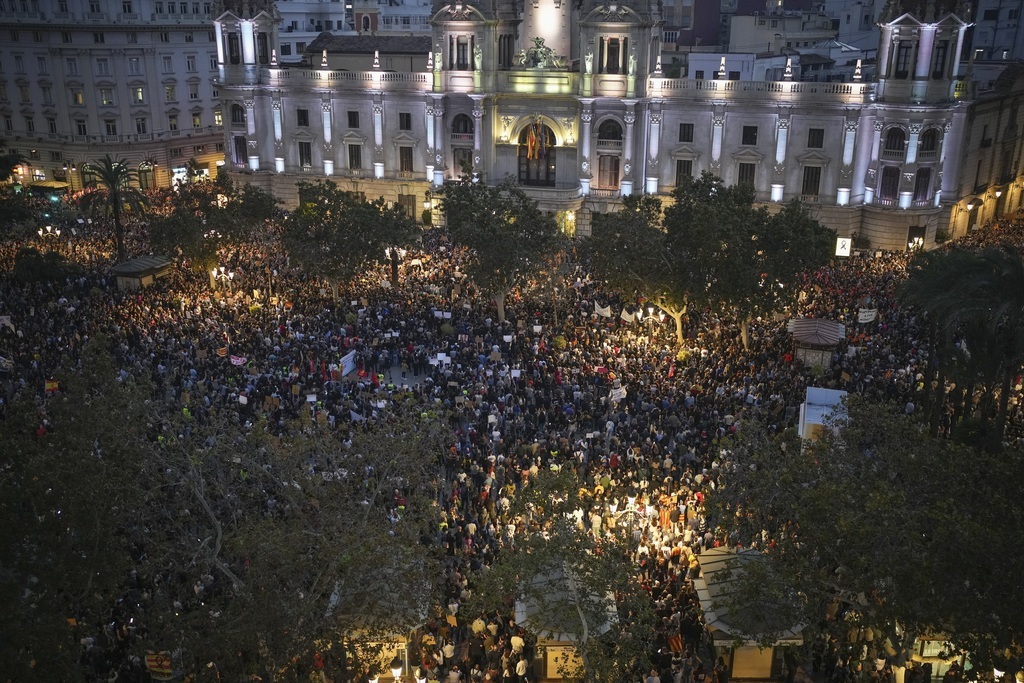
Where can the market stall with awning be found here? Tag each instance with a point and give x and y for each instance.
(815, 339)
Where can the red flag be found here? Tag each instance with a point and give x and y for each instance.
(323, 370)
(672, 370)
(374, 379)
(51, 385)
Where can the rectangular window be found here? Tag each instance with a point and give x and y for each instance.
(990, 15)
(110, 125)
(134, 66)
(939, 64)
(14, 36)
(218, 119)
(71, 64)
(106, 96)
(8, 122)
(77, 98)
(47, 94)
(19, 64)
(734, 75)
(404, 121)
(355, 156)
(749, 135)
(684, 169)
(26, 95)
(305, 154)
(699, 74)
(170, 93)
(353, 119)
(745, 174)
(812, 181)
(193, 91)
(197, 120)
(213, 62)
(286, 49)
(41, 65)
(188, 37)
(51, 125)
(126, 7)
(102, 67)
(608, 172)
(65, 37)
(190, 63)
(165, 37)
(172, 122)
(405, 159)
(198, 149)
(302, 117)
(685, 132)
(140, 126)
(815, 139)
(138, 94)
(98, 37)
(94, 7)
(133, 37)
(903, 59)
(159, 8)
(80, 127)
(30, 124)
(175, 152)
(62, 6)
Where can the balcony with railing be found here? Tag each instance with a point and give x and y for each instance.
(462, 137)
(846, 93)
(369, 80)
(893, 154)
(885, 201)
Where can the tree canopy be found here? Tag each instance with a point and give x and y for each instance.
(335, 234)
(876, 526)
(504, 229)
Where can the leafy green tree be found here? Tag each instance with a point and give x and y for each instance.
(570, 585)
(976, 302)
(629, 251)
(201, 216)
(70, 491)
(507, 234)
(738, 257)
(875, 527)
(117, 191)
(335, 234)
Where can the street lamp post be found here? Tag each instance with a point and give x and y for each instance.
(69, 173)
(222, 274)
(396, 669)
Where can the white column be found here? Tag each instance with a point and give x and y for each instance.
(429, 156)
(716, 137)
(325, 117)
(915, 135)
(652, 152)
(876, 141)
(378, 140)
(586, 118)
(276, 108)
(248, 43)
(924, 53)
(849, 138)
(220, 43)
(438, 143)
(626, 186)
(478, 119)
(250, 118)
(781, 137)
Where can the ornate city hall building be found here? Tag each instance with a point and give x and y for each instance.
(570, 97)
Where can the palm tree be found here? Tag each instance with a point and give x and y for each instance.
(119, 190)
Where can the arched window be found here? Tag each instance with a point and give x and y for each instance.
(537, 155)
(237, 115)
(895, 138)
(609, 130)
(146, 176)
(462, 125)
(889, 188)
(366, 23)
(929, 141)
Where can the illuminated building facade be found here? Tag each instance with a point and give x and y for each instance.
(570, 98)
(131, 78)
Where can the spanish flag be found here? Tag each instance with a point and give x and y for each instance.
(52, 385)
(159, 665)
(222, 352)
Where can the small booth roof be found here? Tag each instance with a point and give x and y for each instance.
(719, 568)
(816, 331)
(142, 266)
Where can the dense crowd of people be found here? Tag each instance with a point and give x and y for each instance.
(641, 421)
